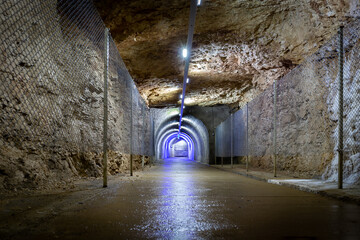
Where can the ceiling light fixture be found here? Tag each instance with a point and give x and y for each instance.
(184, 53)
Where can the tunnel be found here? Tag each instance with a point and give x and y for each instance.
(194, 135)
(180, 119)
(178, 145)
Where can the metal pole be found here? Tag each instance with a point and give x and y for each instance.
(105, 125)
(153, 157)
(131, 130)
(142, 162)
(341, 110)
(247, 137)
(215, 145)
(275, 128)
(231, 141)
(143, 145)
(214, 129)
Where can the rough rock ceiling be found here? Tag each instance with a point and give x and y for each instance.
(240, 47)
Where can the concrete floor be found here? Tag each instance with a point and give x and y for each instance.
(180, 199)
(350, 192)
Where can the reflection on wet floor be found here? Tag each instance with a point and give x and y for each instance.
(181, 199)
(193, 201)
(181, 210)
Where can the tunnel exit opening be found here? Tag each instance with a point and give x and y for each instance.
(178, 146)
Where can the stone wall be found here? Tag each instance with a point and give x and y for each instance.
(307, 116)
(304, 127)
(51, 99)
(240, 47)
(260, 127)
(351, 106)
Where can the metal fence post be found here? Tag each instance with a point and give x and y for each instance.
(143, 146)
(341, 113)
(275, 153)
(105, 125)
(131, 130)
(231, 141)
(247, 137)
(142, 162)
(215, 145)
(153, 158)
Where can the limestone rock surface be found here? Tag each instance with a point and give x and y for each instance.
(239, 49)
(51, 101)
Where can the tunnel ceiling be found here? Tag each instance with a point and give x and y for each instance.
(240, 47)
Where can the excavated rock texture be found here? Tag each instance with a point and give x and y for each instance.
(239, 49)
(351, 106)
(307, 116)
(51, 102)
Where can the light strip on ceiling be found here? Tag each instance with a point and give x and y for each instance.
(187, 50)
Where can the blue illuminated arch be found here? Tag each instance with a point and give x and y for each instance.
(173, 136)
(195, 131)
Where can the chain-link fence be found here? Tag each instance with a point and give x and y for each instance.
(350, 105)
(52, 95)
(294, 125)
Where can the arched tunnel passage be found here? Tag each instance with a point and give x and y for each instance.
(192, 142)
(178, 146)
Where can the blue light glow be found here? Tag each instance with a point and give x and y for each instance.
(175, 140)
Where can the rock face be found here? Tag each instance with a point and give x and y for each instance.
(307, 115)
(239, 49)
(52, 89)
(51, 99)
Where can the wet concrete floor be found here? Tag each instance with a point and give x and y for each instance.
(181, 199)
